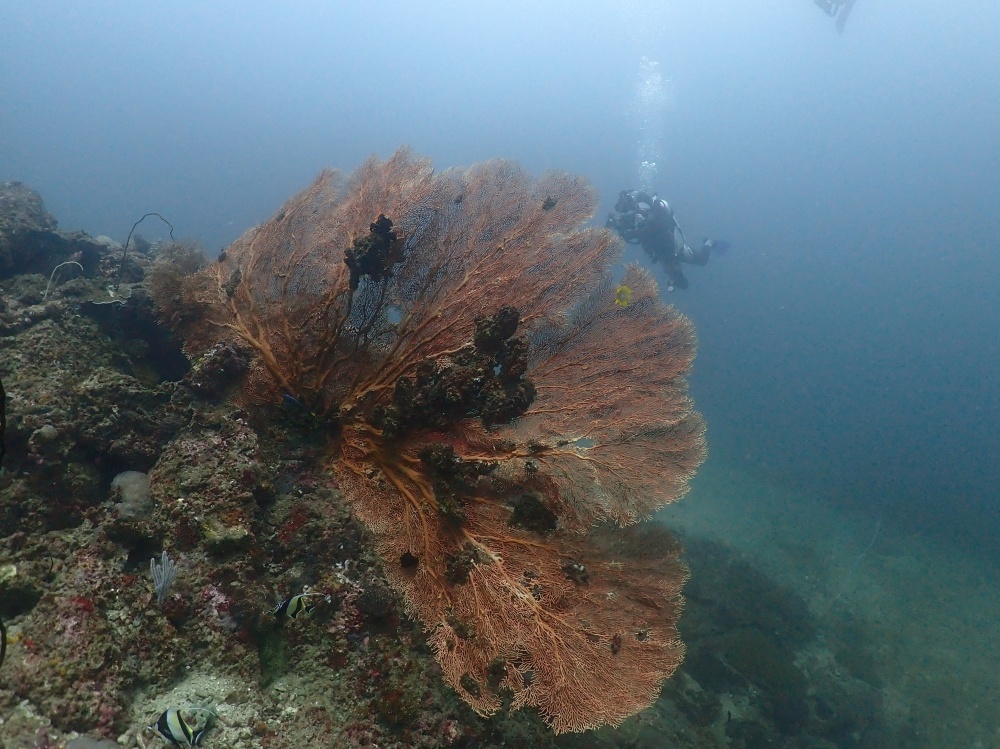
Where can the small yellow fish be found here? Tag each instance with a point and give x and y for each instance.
(623, 295)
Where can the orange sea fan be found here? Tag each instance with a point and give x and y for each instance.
(496, 416)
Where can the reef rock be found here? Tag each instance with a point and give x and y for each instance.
(29, 239)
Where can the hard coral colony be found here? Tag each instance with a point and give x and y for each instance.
(493, 450)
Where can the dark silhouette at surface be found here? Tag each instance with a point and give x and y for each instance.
(839, 8)
(641, 218)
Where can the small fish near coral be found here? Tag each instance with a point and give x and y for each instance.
(174, 728)
(623, 295)
(295, 605)
(300, 415)
(290, 401)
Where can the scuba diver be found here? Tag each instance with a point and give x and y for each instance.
(641, 218)
(839, 8)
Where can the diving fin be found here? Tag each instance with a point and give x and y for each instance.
(720, 246)
(842, 16)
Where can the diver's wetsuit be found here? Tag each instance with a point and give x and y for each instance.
(649, 221)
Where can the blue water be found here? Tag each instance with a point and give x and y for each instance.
(848, 340)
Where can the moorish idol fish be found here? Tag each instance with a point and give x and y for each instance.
(176, 730)
(294, 606)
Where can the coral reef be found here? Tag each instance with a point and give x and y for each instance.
(242, 511)
(29, 239)
(242, 498)
(375, 307)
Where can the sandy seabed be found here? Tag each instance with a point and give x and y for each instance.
(931, 607)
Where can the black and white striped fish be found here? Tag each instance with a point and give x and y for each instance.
(176, 730)
(292, 607)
